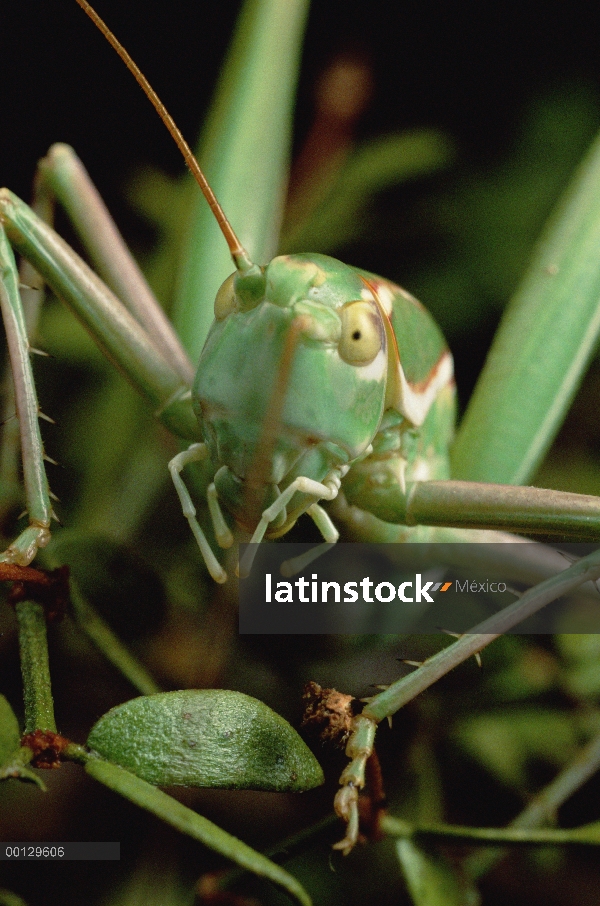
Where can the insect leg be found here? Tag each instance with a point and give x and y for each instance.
(222, 530)
(358, 749)
(323, 522)
(113, 328)
(195, 453)
(330, 534)
(63, 176)
(37, 493)
(327, 490)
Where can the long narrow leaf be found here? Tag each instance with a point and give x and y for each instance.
(244, 151)
(542, 348)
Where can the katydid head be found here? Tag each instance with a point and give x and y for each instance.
(316, 402)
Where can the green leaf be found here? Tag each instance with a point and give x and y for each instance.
(252, 110)
(553, 317)
(10, 737)
(7, 898)
(505, 742)
(207, 738)
(12, 763)
(431, 879)
(189, 822)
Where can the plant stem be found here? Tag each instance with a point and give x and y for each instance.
(403, 691)
(544, 806)
(483, 836)
(109, 644)
(37, 689)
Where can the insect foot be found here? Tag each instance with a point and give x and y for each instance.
(22, 551)
(359, 750)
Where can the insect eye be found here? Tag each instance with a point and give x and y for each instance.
(362, 333)
(226, 302)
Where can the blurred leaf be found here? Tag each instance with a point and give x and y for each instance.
(431, 879)
(152, 884)
(497, 213)
(339, 213)
(7, 898)
(581, 672)
(531, 671)
(9, 731)
(506, 742)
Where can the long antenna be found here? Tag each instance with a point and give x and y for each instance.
(238, 252)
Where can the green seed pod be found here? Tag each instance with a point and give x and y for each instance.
(206, 738)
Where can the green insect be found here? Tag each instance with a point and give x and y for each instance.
(349, 387)
(317, 382)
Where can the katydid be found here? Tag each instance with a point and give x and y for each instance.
(317, 382)
(366, 405)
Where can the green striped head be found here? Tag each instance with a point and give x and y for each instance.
(299, 357)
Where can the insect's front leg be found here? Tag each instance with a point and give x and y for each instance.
(116, 331)
(405, 482)
(197, 453)
(325, 490)
(37, 493)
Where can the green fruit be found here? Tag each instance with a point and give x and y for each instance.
(207, 738)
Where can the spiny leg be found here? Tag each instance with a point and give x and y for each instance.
(120, 336)
(197, 453)
(61, 177)
(31, 291)
(37, 493)
(111, 325)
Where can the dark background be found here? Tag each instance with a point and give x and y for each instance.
(468, 68)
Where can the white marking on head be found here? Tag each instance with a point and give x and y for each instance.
(375, 370)
(386, 298)
(415, 404)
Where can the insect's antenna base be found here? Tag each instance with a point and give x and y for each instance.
(242, 261)
(239, 254)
